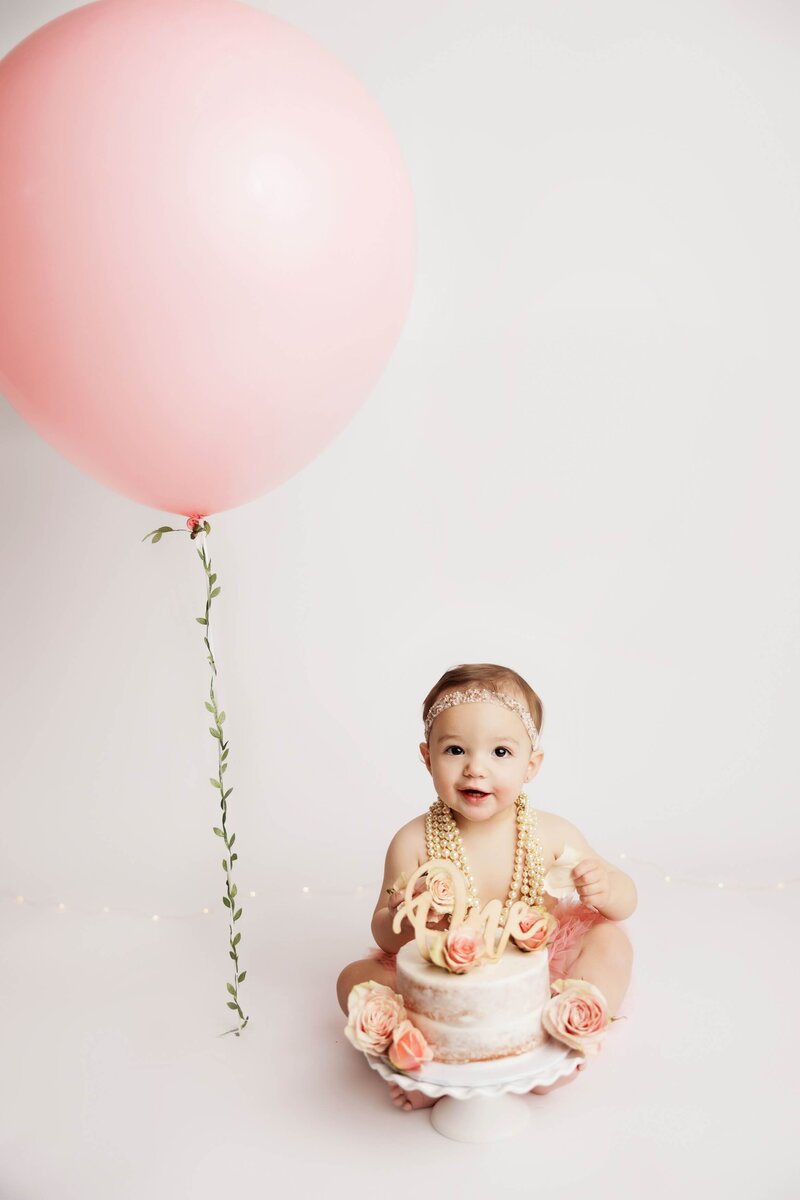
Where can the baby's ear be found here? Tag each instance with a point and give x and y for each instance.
(534, 764)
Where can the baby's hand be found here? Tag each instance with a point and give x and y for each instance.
(398, 892)
(397, 896)
(593, 882)
(437, 920)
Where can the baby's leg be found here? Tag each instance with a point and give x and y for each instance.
(606, 960)
(359, 972)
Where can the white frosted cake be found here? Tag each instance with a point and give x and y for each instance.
(491, 1012)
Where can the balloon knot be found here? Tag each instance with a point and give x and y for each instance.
(196, 523)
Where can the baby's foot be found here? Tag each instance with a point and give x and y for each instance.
(565, 1079)
(408, 1100)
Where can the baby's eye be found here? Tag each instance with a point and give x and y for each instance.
(505, 750)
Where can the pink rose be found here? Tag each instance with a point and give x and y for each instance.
(440, 887)
(577, 1015)
(374, 1012)
(408, 1050)
(459, 950)
(539, 924)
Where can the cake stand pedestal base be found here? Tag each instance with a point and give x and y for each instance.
(481, 1119)
(482, 1102)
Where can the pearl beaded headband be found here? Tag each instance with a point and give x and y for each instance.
(479, 696)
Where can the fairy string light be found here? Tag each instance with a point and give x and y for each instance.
(668, 877)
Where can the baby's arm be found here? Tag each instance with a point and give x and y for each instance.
(599, 883)
(402, 857)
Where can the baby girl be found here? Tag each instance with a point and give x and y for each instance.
(482, 727)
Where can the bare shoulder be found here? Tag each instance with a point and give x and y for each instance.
(410, 839)
(406, 852)
(563, 833)
(550, 835)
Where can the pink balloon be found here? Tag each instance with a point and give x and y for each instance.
(207, 246)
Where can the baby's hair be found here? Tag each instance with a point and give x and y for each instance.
(488, 675)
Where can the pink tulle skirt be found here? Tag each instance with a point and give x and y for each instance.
(573, 922)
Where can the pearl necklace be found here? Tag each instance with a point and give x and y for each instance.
(443, 840)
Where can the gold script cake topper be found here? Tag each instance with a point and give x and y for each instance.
(417, 909)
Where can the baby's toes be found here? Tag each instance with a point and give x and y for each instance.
(562, 1082)
(399, 1096)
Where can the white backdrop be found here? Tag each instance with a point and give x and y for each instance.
(580, 462)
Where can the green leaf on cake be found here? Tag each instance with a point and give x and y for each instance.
(436, 949)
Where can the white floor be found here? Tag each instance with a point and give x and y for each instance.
(115, 1085)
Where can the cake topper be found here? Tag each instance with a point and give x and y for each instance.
(444, 877)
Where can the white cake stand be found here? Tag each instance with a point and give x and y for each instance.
(477, 1100)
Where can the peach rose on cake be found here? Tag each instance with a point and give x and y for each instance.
(408, 1050)
(538, 924)
(459, 950)
(577, 1015)
(374, 1011)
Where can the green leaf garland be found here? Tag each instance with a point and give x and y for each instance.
(197, 526)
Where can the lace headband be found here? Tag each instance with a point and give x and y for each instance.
(479, 696)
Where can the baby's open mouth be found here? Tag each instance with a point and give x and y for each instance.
(473, 792)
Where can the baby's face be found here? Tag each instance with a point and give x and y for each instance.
(479, 747)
